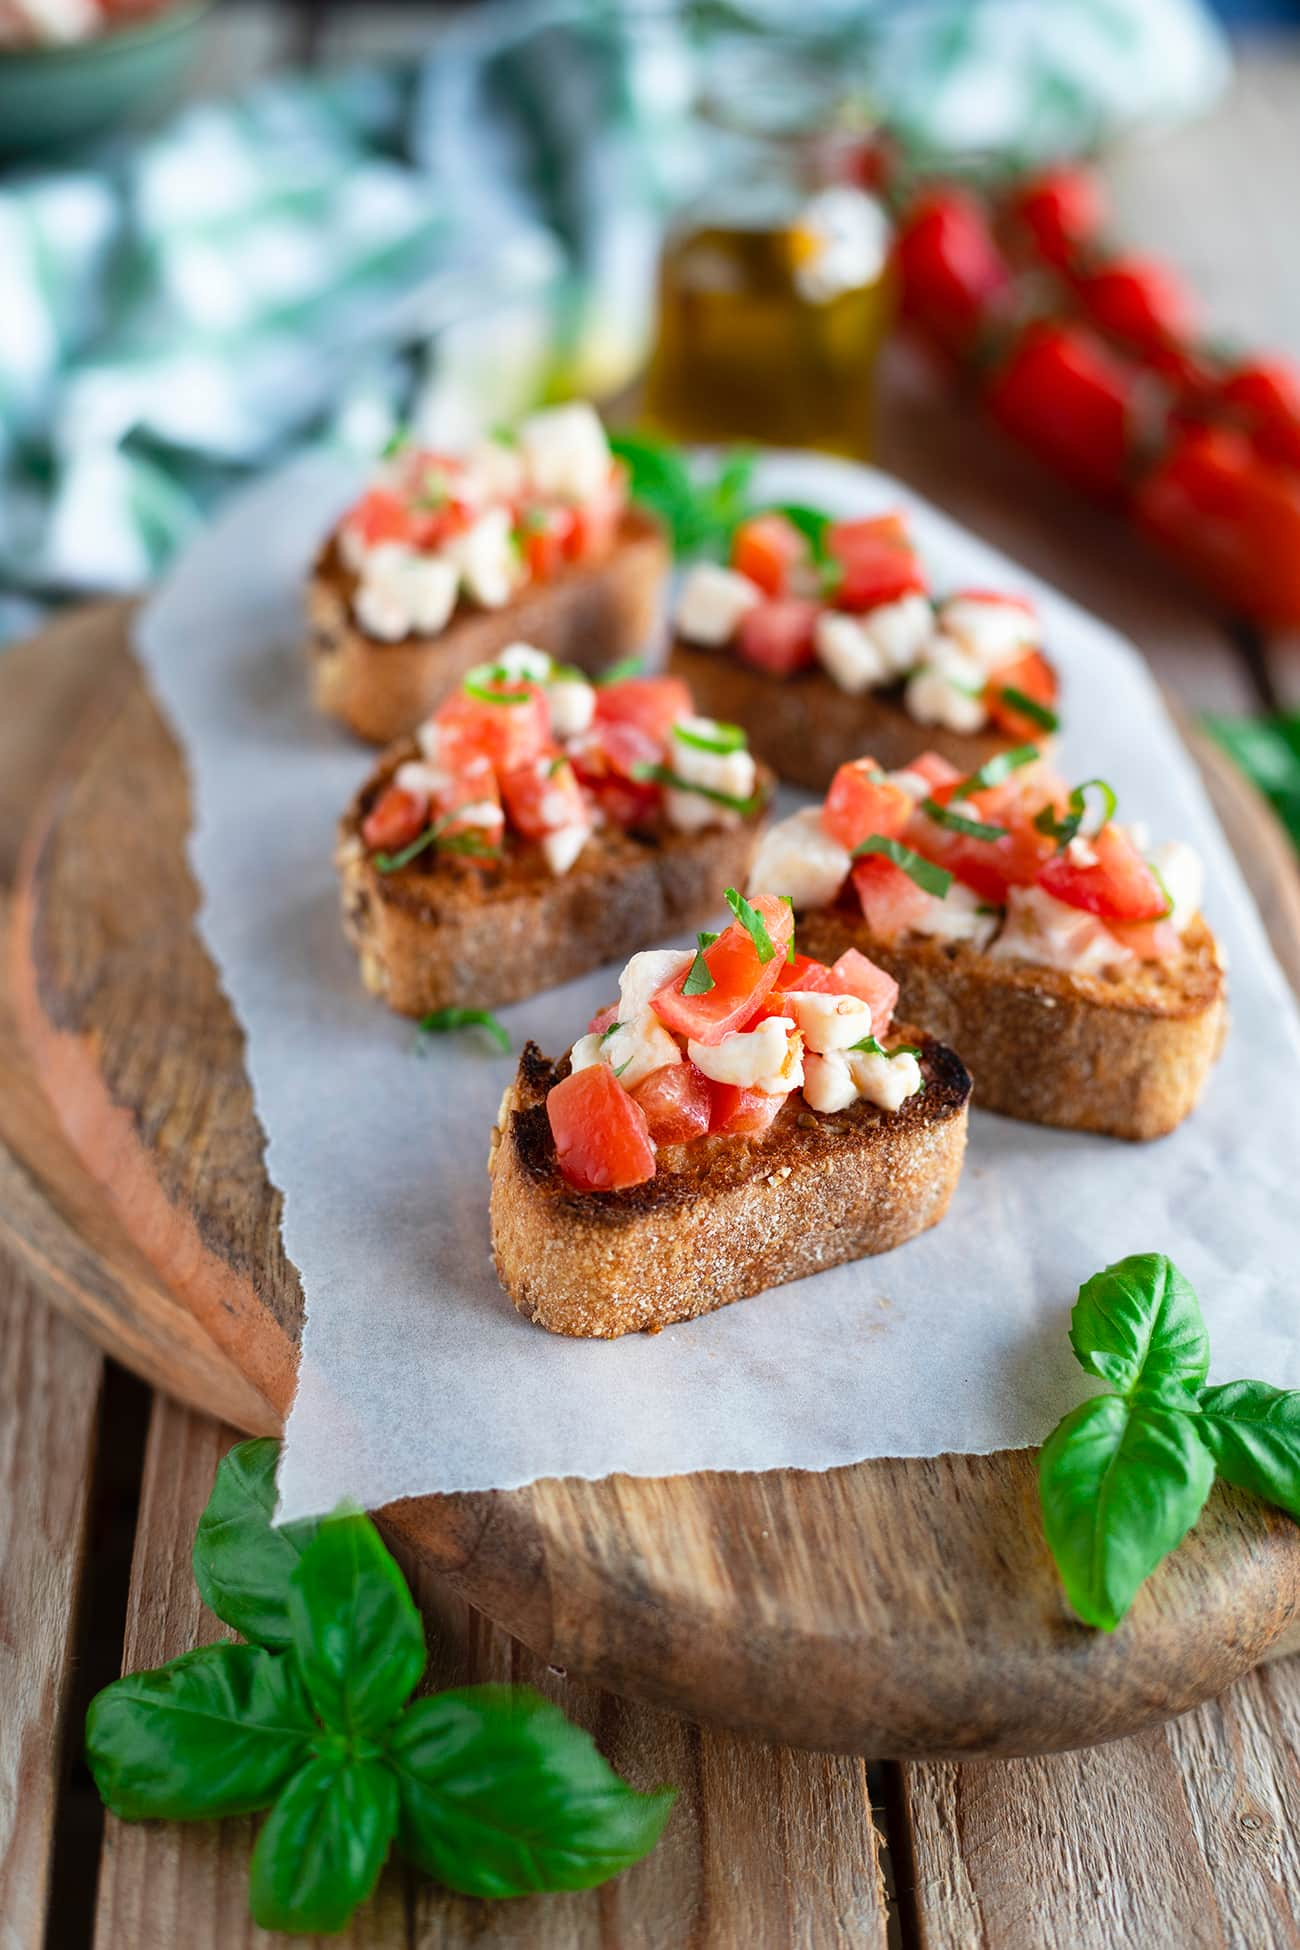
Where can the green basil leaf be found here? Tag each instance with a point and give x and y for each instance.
(440, 1021)
(618, 673)
(1268, 752)
(501, 1795)
(664, 775)
(323, 1844)
(726, 738)
(929, 878)
(1253, 1432)
(971, 829)
(995, 769)
(1121, 1484)
(1029, 707)
(753, 923)
(356, 1630)
(242, 1565)
(699, 978)
(216, 1732)
(812, 524)
(1138, 1323)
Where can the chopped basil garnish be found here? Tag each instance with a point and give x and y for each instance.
(619, 673)
(789, 901)
(1067, 829)
(557, 764)
(873, 1048)
(605, 1034)
(753, 923)
(698, 978)
(1029, 707)
(725, 738)
(397, 441)
(812, 524)
(436, 836)
(995, 769)
(494, 684)
(439, 1021)
(1159, 879)
(931, 879)
(971, 829)
(663, 775)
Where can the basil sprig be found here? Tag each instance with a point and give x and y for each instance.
(1029, 707)
(699, 977)
(753, 923)
(436, 836)
(489, 1788)
(440, 1022)
(929, 878)
(971, 829)
(724, 739)
(1123, 1477)
(700, 510)
(872, 1047)
(1066, 829)
(995, 769)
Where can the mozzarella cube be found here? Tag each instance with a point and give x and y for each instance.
(1052, 934)
(993, 633)
(711, 602)
(572, 705)
(1183, 878)
(646, 974)
(948, 688)
(417, 776)
(486, 559)
(526, 663)
(848, 654)
(400, 591)
(732, 773)
(957, 917)
(565, 452)
(639, 1046)
(901, 630)
(885, 1080)
(769, 1058)
(562, 845)
(493, 472)
(829, 1022)
(828, 1083)
(484, 813)
(798, 857)
(586, 1052)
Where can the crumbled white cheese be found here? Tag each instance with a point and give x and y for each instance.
(1182, 876)
(1040, 929)
(848, 654)
(486, 560)
(493, 472)
(947, 689)
(639, 1046)
(400, 591)
(993, 633)
(956, 917)
(885, 1080)
(711, 602)
(525, 662)
(565, 452)
(769, 1058)
(914, 784)
(572, 705)
(587, 1051)
(828, 1083)
(646, 974)
(829, 1022)
(732, 773)
(900, 631)
(424, 780)
(798, 857)
(479, 812)
(562, 845)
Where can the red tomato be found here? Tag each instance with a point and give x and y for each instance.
(1139, 302)
(765, 549)
(1035, 679)
(508, 733)
(677, 1103)
(876, 561)
(802, 973)
(935, 769)
(987, 866)
(1060, 209)
(950, 267)
(602, 1140)
(741, 982)
(607, 759)
(596, 522)
(1148, 940)
(652, 704)
(543, 795)
(1230, 520)
(779, 637)
(862, 801)
(742, 1113)
(1120, 886)
(546, 536)
(603, 1019)
(853, 974)
(891, 900)
(1063, 394)
(395, 819)
(380, 516)
(1264, 397)
(475, 785)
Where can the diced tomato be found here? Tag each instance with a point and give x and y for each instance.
(652, 704)
(1035, 679)
(1118, 886)
(766, 548)
(891, 900)
(595, 522)
(740, 980)
(545, 536)
(876, 562)
(742, 1113)
(603, 1019)
(1148, 940)
(474, 785)
(862, 801)
(802, 973)
(395, 819)
(1231, 520)
(950, 267)
(432, 527)
(508, 733)
(602, 1139)
(607, 759)
(987, 866)
(779, 637)
(1137, 301)
(1060, 209)
(1064, 395)
(543, 795)
(1264, 397)
(677, 1103)
(853, 974)
(935, 769)
(380, 516)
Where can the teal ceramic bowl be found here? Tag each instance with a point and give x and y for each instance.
(51, 97)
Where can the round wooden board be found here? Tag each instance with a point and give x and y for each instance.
(894, 1608)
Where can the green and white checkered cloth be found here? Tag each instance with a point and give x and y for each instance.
(324, 257)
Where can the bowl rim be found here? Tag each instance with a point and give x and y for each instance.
(158, 26)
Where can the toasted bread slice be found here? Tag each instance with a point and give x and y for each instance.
(724, 1217)
(590, 615)
(805, 727)
(456, 931)
(1126, 1055)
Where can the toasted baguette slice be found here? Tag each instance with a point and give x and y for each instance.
(451, 931)
(1127, 1056)
(805, 726)
(724, 1217)
(589, 616)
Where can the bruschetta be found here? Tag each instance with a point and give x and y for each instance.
(446, 559)
(742, 1116)
(537, 825)
(822, 639)
(1064, 955)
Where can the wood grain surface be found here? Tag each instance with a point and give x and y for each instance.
(892, 1608)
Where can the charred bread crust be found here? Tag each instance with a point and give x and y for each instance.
(805, 727)
(1126, 1056)
(590, 615)
(453, 931)
(723, 1218)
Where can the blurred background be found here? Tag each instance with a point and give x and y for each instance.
(231, 228)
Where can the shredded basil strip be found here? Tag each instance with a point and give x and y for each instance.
(730, 738)
(397, 441)
(789, 901)
(995, 769)
(971, 829)
(1067, 829)
(873, 1048)
(439, 1021)
(663, 775)
(931, 879)
(1029, 707)
(619, 673)
(699, 980)
(485, 680)
(1159, 879)
(471, 843)
(605, 1034)
(753, 923)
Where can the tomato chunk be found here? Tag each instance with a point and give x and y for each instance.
(595, 523)
(508, 726)
(395, 819)
(935, 769)
(876, 561)
(989, 866)
(474, 786)
(545, 535)
(1035, 679)
(602, 1139)
(862, 801)
(607, 760)
(853, 974)
(766, 549)
(740, 980)
(742, 1113)
(1148, 940)
(779, 637)
(892, 903)
(380, 516)
(651, 705)
(677, 1103)
(603, 1019)
(802, 973)
(1116, 884)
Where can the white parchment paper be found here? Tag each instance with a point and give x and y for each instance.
(417, 1374)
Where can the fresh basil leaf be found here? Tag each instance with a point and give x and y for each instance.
(441, 1021)
(1029, 707)
(699, 510)
(436, 836)
(872, 1047)
(242, 1565)
(1066, 829)
(699, 979)
(931, 879)
(664, 775)
(1138, 1323)
(397, 442)
(725, 738)
(1121, 1484)
(1253, 1432)
(216, 1732)
(995, 769)
(752, 922)
(323, 1844)
(971, 829)
(356, 1631)
(619, 673)
(812, 524)
(789, 946)
(501, 1795)
(1268, 752)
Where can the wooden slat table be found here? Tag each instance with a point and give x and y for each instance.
(1186, 1836)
